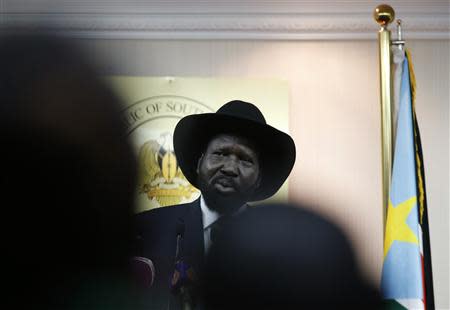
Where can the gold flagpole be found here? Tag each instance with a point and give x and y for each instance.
(383, 15)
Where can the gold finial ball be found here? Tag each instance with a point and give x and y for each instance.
(384, 14)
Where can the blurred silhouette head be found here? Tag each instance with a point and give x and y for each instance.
(68, 172)
(283, 257)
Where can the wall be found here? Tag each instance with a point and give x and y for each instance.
(334, 121)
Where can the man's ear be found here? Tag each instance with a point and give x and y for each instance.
(199, 163)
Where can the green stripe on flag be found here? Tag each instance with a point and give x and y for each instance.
(392, 304)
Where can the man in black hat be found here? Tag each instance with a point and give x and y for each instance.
(233, 156)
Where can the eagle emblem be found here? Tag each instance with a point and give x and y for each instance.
(160, 177)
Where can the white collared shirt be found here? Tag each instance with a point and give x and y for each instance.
(209, 217)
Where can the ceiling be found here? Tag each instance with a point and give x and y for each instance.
(232, 19)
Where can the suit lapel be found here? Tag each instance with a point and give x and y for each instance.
(193, 239)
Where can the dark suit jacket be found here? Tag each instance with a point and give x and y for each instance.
(157, 240)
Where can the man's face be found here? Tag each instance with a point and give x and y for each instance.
(228, 171)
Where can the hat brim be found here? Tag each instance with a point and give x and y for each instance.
(276, 148)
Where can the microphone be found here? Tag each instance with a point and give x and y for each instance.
(143, 271)
(180, 234)
(183, 277)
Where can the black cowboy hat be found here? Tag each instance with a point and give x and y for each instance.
(276, 148)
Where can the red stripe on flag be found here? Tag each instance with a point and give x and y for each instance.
(423, 283)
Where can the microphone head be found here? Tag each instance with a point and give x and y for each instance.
(143, 271)
(183, 276)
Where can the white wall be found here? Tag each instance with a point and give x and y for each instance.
(334, 121)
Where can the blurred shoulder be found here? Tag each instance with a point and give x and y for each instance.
(166, 212)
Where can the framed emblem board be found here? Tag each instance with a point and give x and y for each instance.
(154, 105)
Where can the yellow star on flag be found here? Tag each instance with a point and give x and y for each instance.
(396, 226)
